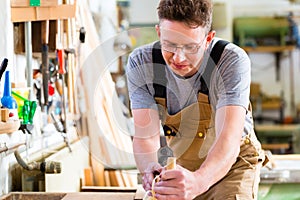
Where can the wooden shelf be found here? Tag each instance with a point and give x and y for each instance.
(10, 126)
(25, 3)
(269, 49)
(23, 14)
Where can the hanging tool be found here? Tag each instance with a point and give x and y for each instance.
(2, 70)
(69, 26)
(27, 114)
(45, 62)
(49, 167)
(3, 67)
(62, 71)
(60, 128)
(60, 53)
(28, 109)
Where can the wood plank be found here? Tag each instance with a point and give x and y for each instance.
(88, 177)
(276, 127)
(113, 178)
(107, 189)
(276, 146)
(26, 3)
(119, 178)
(286, 157)
(107, 178)
(99, 196)
(42, 13)
(269, 49)
(98, 171)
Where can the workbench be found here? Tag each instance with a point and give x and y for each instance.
(68, 196)
(279, 138)
(282, 181)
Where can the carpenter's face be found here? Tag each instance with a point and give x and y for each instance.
(183, 47)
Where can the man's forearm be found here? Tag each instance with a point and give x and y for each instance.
(145, 152)
(218, 162)
(146, 137)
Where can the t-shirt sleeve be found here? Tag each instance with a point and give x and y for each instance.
(233, 78)
(139, 80)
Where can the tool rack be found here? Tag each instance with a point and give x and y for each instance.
(23, 11)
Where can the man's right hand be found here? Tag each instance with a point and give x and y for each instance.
(149, 174)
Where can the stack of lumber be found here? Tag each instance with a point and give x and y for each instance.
(110, 143)
(120, 178)
(113, 178)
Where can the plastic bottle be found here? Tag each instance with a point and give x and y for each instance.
(7, 100)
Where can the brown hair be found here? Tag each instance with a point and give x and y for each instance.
(194, 13)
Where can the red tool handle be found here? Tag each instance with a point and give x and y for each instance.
(61, 61)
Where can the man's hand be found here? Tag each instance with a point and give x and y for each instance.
(149, 174)
(178, 184)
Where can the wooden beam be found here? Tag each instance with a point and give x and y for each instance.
(42, 13)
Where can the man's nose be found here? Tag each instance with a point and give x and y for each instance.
(179, 55)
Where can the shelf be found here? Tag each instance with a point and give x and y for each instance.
(10, 126)
(25, 3)
(63, 11)
(278, 51)
(269, 49)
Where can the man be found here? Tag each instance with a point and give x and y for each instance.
(204, 109)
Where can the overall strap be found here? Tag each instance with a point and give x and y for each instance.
(160, 80)
(212, 62)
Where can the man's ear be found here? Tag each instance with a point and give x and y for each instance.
(210, 36)
(157, 30)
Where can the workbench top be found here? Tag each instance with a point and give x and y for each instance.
(99, 196)
(69, 196)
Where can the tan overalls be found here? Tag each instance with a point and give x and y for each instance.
(191, 132)
(194, 129)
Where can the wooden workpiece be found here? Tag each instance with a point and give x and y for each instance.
(171, 163)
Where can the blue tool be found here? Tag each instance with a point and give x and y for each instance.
(7, 100)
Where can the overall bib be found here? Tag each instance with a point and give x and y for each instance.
(190, 134)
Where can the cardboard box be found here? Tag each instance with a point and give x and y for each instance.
(26, 3)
